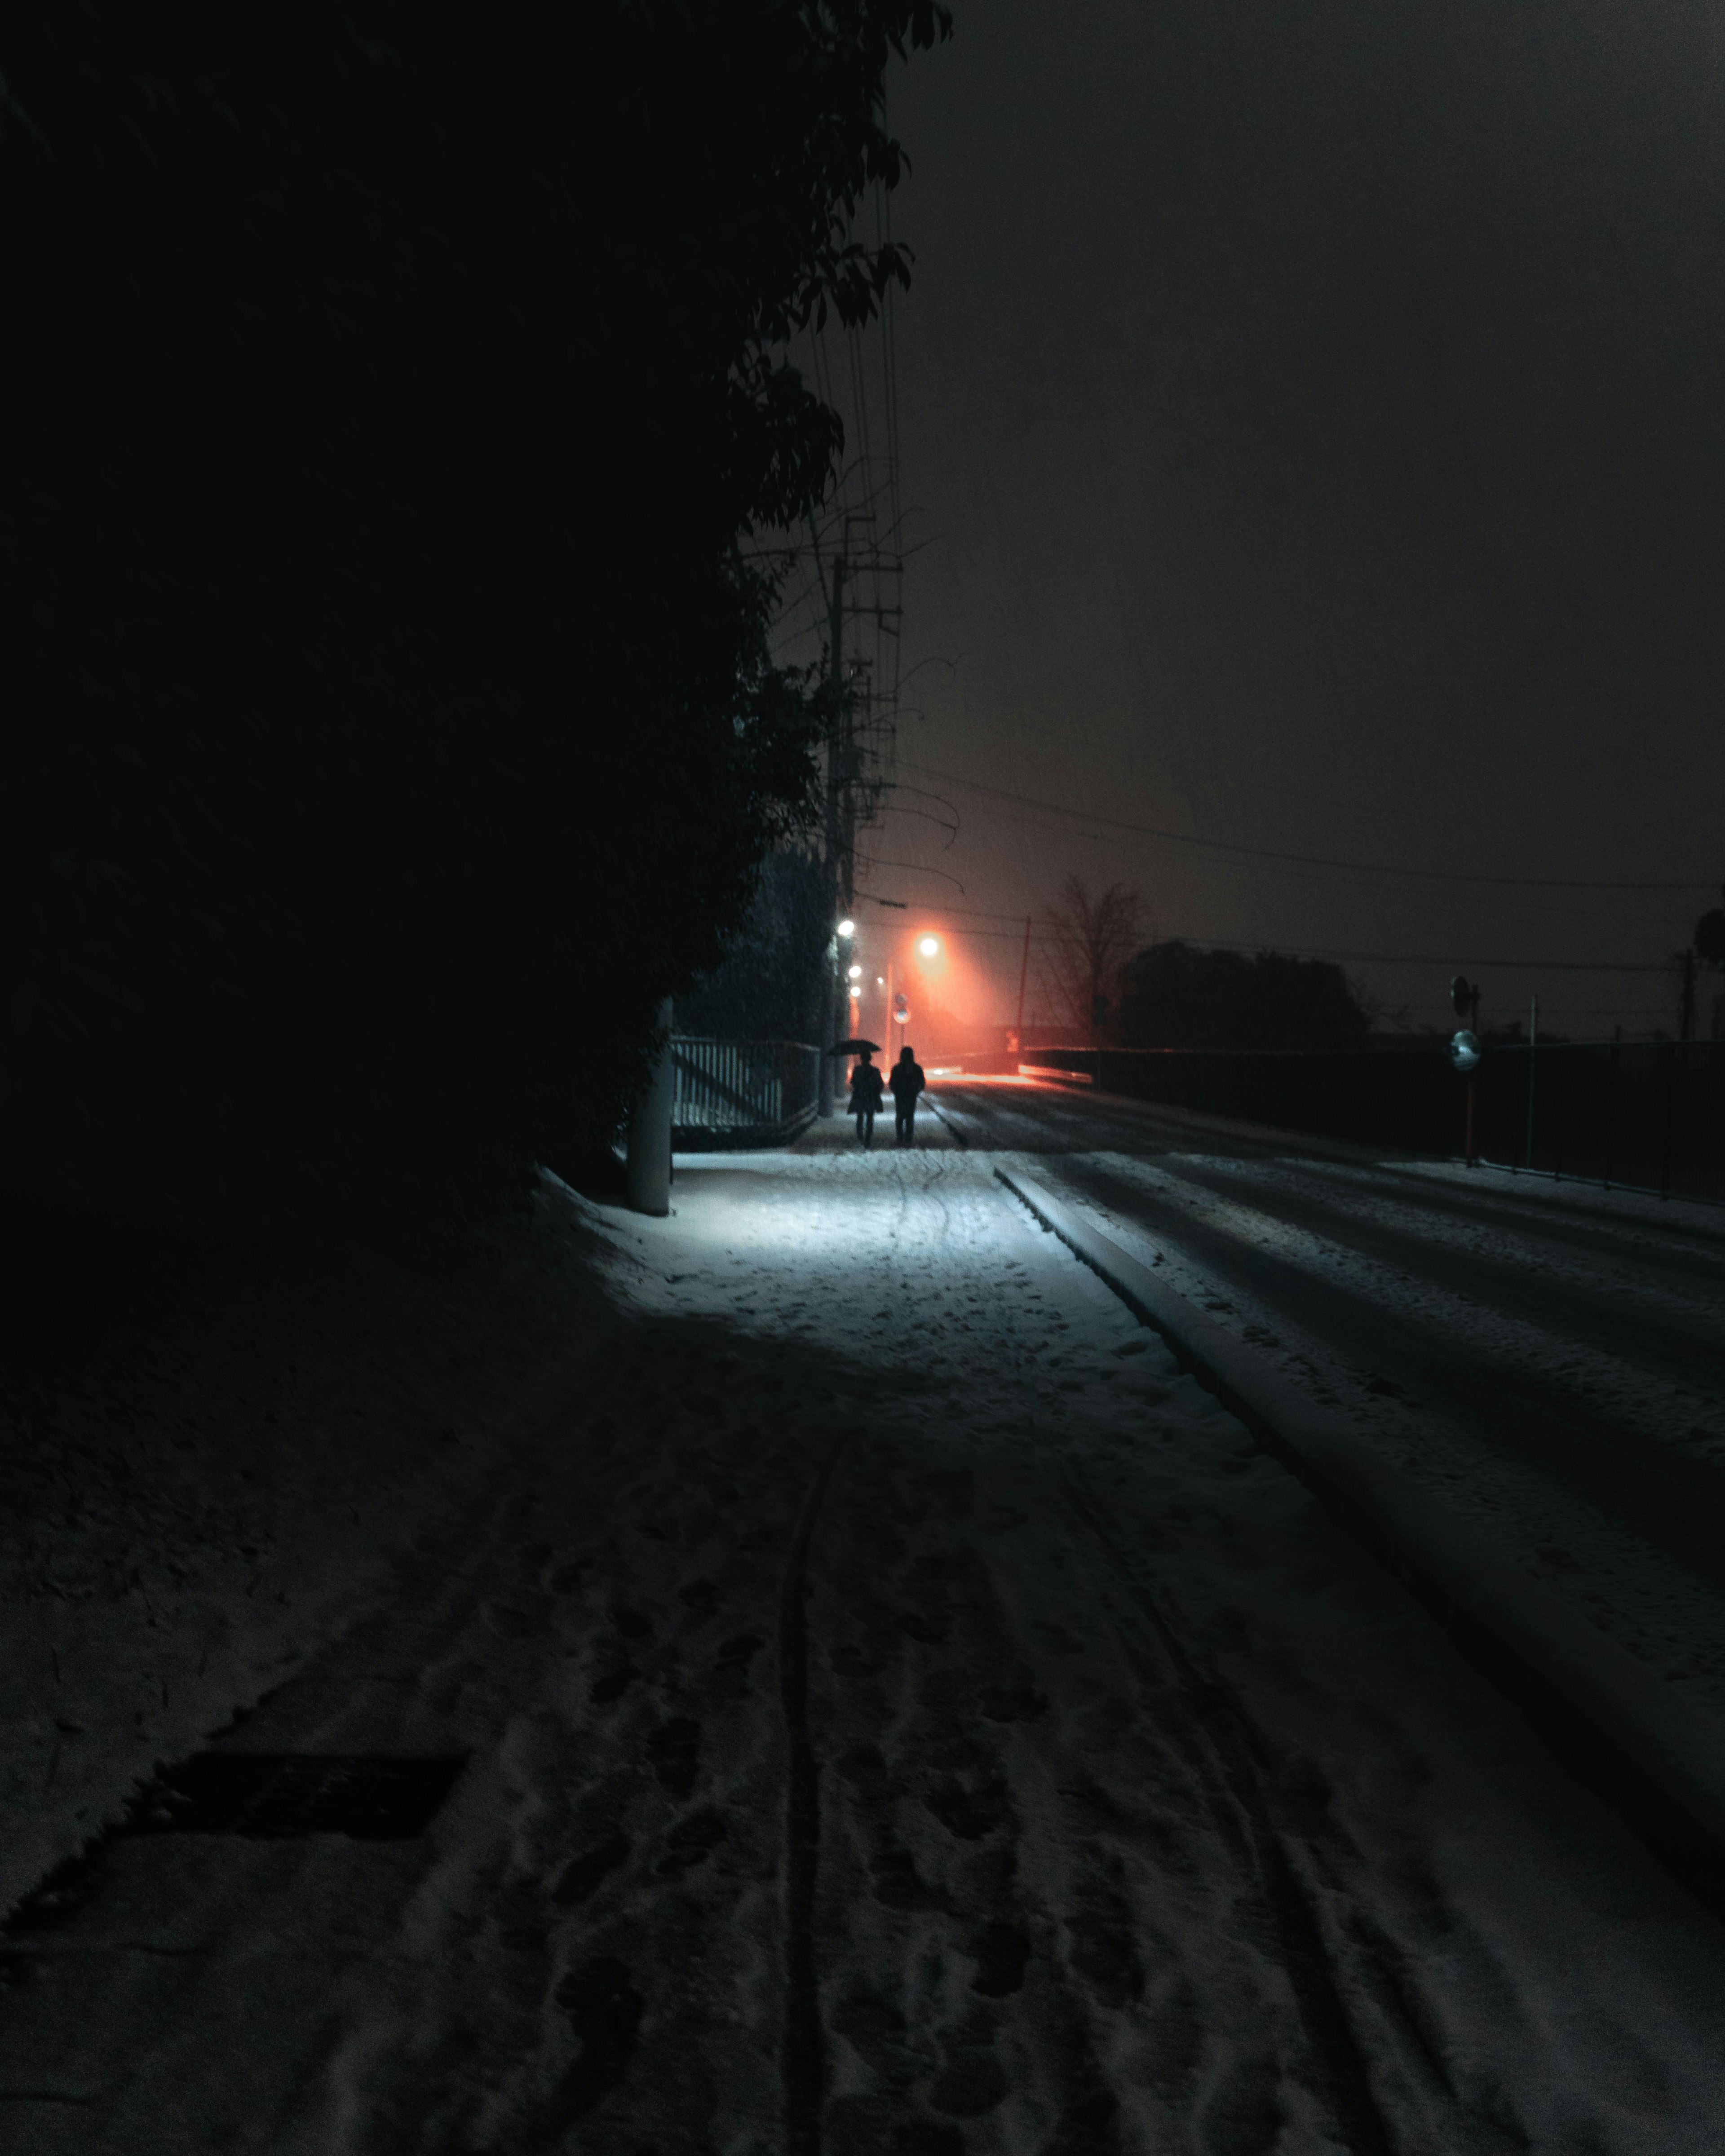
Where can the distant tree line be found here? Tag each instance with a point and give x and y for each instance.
(1173, 995)
(390, 720)
(1107, 989)
(1111, 990)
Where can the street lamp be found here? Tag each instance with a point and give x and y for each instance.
(856, 972)
(929, 946)
(847, 928)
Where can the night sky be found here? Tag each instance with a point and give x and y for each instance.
(1310, 420)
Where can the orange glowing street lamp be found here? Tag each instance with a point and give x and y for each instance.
(930, 947)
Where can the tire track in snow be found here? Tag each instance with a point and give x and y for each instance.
(1218, 1744)
(1559, 1359)
(1457, 1369)
(1532, 1293)
(801, 2053)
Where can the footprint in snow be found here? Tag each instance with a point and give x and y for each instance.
(732, 1664)
(1105, 1954)
(944, 1564)
(674, 1750)
(605, 2009)
(970, 1813)
(1000, 1951)
(691, 1843)
(972, 2081)
(896, 1883)
(876, 2030)
(927, 2137)
(1012, 1702)
(583, 1874)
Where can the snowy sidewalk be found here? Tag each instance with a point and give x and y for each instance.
(884, 1609)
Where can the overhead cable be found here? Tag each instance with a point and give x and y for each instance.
(1304, 860)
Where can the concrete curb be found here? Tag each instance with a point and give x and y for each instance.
(1645, 1741)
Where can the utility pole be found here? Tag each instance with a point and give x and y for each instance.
(849, 745)
(1473, 1077)
(838, 857)
(1686, 1026)
(1024, 976)
(1533, 1052)
(649, 1169)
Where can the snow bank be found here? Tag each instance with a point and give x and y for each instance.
(1151, 1812)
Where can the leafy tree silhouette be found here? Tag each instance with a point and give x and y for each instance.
(391, 720)
(1710, 938)
(1173, 996)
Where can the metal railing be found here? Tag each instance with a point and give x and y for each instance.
(741, 1092)
(1648, 1115)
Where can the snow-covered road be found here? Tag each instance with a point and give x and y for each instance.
(1547, 1358)
(901, 1714)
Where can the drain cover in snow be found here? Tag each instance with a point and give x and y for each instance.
(277, 1794)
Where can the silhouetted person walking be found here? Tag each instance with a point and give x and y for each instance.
(906, 1081)
(866, 1098)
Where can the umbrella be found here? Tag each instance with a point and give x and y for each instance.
(856, 1048)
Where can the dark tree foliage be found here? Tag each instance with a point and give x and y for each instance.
(389, 718)
(1173, 996)
(768, 986)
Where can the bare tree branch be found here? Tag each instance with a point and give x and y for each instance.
(1089, 939)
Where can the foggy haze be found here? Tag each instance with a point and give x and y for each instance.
(1309, 420)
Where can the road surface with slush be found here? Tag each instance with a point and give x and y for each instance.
(1547, 1358)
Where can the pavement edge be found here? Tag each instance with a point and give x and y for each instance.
(1662, 1761)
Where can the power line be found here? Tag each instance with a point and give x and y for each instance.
(1291, 951)
(1303, 861)
(1486, 897)
(1403, 958)
(916, 868)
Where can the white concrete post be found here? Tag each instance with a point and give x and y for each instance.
(650, 1132)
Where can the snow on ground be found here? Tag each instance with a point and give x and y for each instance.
(210, 1466)
(1623, 1330)
(1112, 1800)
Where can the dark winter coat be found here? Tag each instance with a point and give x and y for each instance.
(865, 1090)
(906, 1082)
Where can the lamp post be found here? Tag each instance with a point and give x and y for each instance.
(833, 1003)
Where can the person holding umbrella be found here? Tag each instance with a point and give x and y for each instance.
(865, 1088)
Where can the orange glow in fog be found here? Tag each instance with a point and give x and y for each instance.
(961, 1077)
